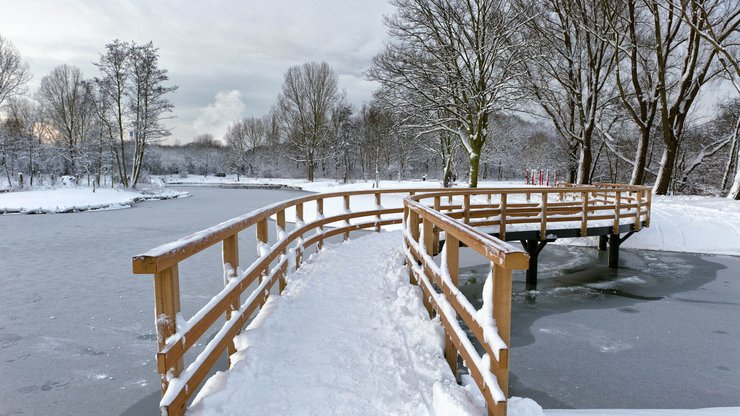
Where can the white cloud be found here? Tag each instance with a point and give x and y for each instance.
(215, 118)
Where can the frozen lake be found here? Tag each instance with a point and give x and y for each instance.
(660, 332)
(77, 333)
(76, 327)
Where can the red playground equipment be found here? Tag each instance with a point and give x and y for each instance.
(541, 177)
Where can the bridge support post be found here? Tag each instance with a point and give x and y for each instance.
(533, 248)
(614, 242)
(602, 242)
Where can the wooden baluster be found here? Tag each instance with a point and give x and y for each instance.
(529, 197)
(167, 306)
(488, 198)
(466, 208)
(320, 216)
(449, 198)
(263, 246)
(452, 255)
(437, 207)
(346, 212)
(543, 220)
(584, 213)
(230, 250)
(299, 221)
(502, 315)
(502, 218)
(280, 225)
(377, 206)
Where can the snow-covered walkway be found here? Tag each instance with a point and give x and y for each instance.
(348, 336)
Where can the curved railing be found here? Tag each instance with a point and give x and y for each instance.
(426, 224)
(471, 218)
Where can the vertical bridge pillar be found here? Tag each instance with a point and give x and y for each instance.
(533, 248)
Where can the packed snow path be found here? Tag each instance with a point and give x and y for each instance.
(348, 336)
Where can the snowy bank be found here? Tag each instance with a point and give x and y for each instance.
(689, 224)
(63, 200)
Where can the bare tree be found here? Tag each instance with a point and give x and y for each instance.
(571, 59)
(110, 105)
(694, 59)
(635, 78)
(14, 73)
(62, 99)
(458, 60)
(309, 93)
(148, 102)
(243, 139)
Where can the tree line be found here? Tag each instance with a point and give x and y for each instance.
(599, 90)
(73, 125)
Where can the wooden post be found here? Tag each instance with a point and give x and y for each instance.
(166, 308)
(429, 248)
(543, 220)
(320, 216)
(649, 204)
(299, 221)
(452, 255)
(437, 207)
(230, 250)
(502, 218)
(262, 241)
(346, 211)
(638, 199)
(414, 230)
(584, 214)
(377, 206)
(502, 315)
(466, 208)
(617, 211)
(280, 224)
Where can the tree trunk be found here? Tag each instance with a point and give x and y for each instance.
(638, 170)
(667, 163)
(735, 190)
(474, 163)
(584, 164)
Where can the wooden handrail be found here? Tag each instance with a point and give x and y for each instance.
(176, 337)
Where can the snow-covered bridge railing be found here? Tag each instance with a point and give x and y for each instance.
(479, 219)
(491, 324)
(177, 336)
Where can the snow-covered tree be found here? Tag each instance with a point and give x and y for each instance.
(309, 93)
(458, 60)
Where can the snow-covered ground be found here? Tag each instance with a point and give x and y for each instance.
(349, 336)
(75, 199)
(689, 224)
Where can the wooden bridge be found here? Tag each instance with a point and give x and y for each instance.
(436, 223)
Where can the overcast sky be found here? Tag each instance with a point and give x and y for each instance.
(228, 57)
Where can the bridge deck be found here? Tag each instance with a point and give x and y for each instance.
(348, 336)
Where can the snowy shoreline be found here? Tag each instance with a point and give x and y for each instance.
(78, 199)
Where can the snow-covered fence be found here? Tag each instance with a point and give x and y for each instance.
(491, 324)
(176, 336)
(479, 219)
